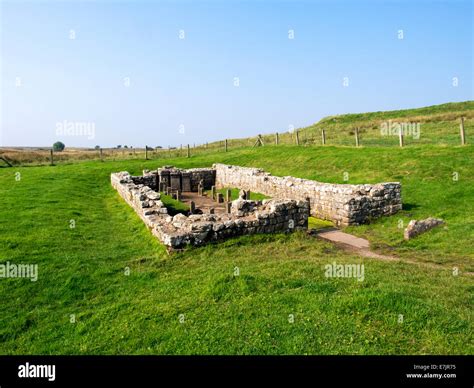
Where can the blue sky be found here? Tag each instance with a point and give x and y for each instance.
(183, 90)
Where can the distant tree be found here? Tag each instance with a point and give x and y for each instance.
(58, 146)
(125, 146)
(158, 147)
(119, 146)
(97, 147)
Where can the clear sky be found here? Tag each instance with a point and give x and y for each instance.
(120, 73)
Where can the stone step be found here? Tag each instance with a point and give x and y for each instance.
(337, 236)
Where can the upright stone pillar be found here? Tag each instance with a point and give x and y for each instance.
(213, 193)
(186, 181)
(175, 180)
(164, 178)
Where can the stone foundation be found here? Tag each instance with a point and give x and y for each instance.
(268, 216)
(293, 200)
(343, 204)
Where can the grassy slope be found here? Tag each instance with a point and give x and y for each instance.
(439, 124)
(81, 270)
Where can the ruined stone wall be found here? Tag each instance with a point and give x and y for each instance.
(268, 216)
(343, 204)
(185, 180)
(145, 201)
(149, 179)
(207, 175)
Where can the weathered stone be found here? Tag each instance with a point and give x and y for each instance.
(213, 193)
(415, 227)
(342, 203)
(242, 207)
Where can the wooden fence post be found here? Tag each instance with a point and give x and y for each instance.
(323, 136)
(276, 138)
(297, 137)
(259, 141)
(52, 160)
(400, 135)
(225, 144)
(188, 155)
(101, 155)
(6, 161)
(463, 133)
(146, 152)
(357, 136)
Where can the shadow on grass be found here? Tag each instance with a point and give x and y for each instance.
(410, 206)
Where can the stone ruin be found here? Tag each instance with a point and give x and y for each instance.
(344, 204)
(416, 227)
(292, 201)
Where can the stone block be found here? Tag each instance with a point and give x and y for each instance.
(415, 227)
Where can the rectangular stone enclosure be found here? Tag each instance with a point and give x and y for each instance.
(293, 200)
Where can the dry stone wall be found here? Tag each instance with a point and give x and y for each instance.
(268, 216)
(343, 204)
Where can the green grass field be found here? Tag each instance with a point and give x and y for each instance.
(129, 297)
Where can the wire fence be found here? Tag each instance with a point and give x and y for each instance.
(393, 134)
